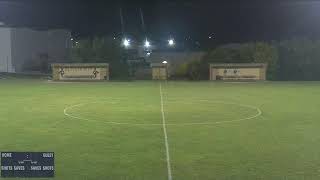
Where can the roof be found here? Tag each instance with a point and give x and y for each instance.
(3, 25)
(237, 65)
(80, 65)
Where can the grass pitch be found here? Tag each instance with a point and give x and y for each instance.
(215, 130)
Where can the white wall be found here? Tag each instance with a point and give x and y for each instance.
(5, 50)
(28, 45)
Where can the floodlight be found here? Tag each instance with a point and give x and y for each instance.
(147, 44)
(126, 42)
(171, 42)
(164, 62)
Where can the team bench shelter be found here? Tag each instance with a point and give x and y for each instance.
(80, 71)
(241, 71)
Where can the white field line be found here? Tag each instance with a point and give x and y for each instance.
(165, 135)
(65, 111)
(259, 113)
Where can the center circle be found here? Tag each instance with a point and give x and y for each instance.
(177, 112)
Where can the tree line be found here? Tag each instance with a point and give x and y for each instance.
(297, 59)
(101, 50)
(294, 60)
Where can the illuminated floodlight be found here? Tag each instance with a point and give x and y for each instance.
(126, 42)
(148, 53)
(164, 62)
(171, 42)
(147, 44)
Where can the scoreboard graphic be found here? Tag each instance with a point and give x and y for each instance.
(27, 164)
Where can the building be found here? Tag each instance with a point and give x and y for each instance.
(159, 71)
(29, 50)
(241, 71)
(155, 61)
(175, 59)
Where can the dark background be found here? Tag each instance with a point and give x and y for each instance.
(225, 21)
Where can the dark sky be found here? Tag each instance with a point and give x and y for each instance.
(226, 21)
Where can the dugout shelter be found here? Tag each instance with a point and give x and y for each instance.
(240, 71)
(80, 71)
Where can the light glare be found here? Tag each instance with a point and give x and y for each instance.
(126, 42)
(147, 44)
(171, 42)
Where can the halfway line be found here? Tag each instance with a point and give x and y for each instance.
(165, 136)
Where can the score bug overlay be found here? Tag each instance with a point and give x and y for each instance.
(27, 164)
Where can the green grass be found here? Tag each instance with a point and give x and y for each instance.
(281, 143)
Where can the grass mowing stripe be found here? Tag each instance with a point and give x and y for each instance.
(165, 135)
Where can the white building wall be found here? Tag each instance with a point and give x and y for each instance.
(27, 46)
(26, 50)
(30, 46)
(5, 50)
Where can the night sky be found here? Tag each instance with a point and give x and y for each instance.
(225, 21)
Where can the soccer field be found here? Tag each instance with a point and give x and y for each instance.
(166, 130)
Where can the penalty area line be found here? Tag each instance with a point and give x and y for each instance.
(165, 135)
